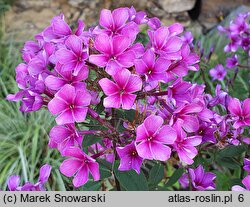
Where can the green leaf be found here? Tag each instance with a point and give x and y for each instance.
(105, 172)
(222, 181)
(90, 139)
(156, 174)
(175, 177)
(228, 162)
(130, 180)
(128, 114)
(92, 186)
(232, 151)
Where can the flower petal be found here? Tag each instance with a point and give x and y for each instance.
(54, 83)
(120, 44)
(166, 135)
(127, 101)
(160, 151)
(56, 106)
(108, 87)
(152, 124)
(70, 166)
(64, 56)
(99, 60)
(75, 44)
(81, 177)
(143, 150)
(112, 101)
(234, 107)
(122, 78)
(94, 170)
(103, 44)
(79, 114)
(134, 84)
(120, 16)
(65, 117)
(106, 19)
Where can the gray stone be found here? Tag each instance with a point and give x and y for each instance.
(173, 6)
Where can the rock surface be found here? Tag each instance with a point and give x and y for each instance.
(28, 17)
(172, 6)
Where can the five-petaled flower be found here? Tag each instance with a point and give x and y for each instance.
(240, 112)
(129, 158)
(121, 92)
(152, 139)
(71, 104)
(79, 165)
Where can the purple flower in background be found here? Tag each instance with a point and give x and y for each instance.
(240, 112)
(129, 158)
(152, 138)
(188, 39)
(200, 179)
(207, 133)
(121, 92)
(115, 53)
(185, 146)
(65, 136)
(14, 181)
(232, 62)
(218, 72)
(238, 26)
(70, 104)
(30, 101)
(247, 165)
(221, 97)
(79, 165)
(154, 23)
(138, 17)
(154, 70)
(72, 57)
(246, 183)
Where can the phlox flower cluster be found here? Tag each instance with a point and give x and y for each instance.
(238, 34)
(74, 73)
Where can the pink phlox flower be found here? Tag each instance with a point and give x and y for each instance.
(185, 146)
(71, 104)
(115, 53)
(218, 72)
(152, 139)
(178, 91)
(14, 181)
(121, 92)
(188, 114)
(138, 17)
(165, 44)
(153, 69)
(65, 136)
(73, 56)
(200, 179)
(79, 165)
(56, 82)
(115, 23)
(129, 158)
(240, 112)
